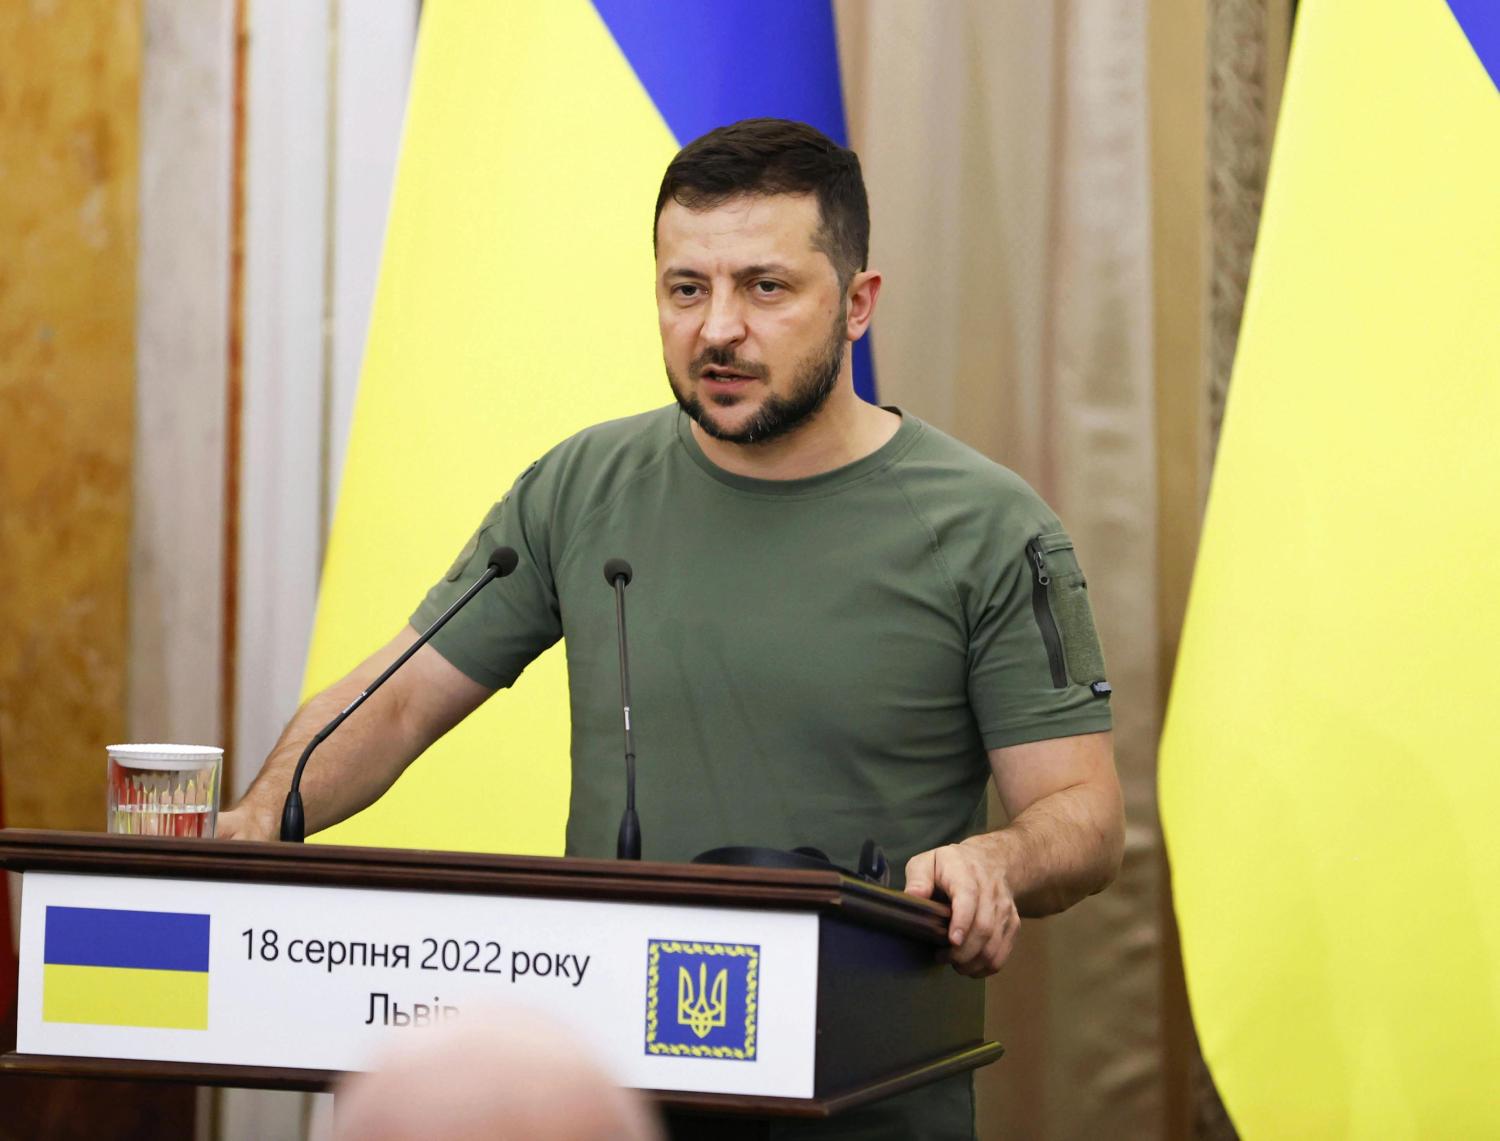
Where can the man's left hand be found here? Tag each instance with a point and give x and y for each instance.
(982, 929)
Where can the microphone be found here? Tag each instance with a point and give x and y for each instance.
(618, 574)
(293, 825)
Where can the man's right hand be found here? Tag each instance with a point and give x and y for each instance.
(244, 823)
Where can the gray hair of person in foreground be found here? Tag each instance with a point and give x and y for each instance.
(502, 1074)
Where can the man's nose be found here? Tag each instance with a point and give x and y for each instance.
(724, 320)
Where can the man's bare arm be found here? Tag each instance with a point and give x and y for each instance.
(354, 766)
(1066, 835)
(1065, 840)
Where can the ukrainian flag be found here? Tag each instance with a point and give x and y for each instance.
(515, 307)
(1330, 769)
(125, 968)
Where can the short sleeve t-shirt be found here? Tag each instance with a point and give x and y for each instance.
(813, 662)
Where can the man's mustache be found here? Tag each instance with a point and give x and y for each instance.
(725, 359)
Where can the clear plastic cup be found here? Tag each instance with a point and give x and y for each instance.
(164, 790)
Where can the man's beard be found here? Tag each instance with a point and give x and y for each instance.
(817, 377)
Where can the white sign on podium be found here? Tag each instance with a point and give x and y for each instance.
(668, 997)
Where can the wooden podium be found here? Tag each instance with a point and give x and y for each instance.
(732, 995)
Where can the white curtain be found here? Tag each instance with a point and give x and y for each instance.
(1006, 151)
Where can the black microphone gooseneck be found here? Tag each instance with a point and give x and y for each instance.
(293, 824)
(618, 574)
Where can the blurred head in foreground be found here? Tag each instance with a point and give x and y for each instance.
(506, 1075)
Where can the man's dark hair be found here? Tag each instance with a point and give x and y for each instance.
(777, 156)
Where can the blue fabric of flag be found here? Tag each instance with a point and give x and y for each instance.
(104, 937)
(706, 65)
(1480, 20)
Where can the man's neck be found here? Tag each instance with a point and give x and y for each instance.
(844, 430)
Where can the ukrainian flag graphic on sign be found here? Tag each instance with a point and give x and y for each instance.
(125, 968)
(701, 999)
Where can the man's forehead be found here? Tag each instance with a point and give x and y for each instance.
(781, 224)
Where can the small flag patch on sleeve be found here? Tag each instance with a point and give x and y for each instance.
(110, 967)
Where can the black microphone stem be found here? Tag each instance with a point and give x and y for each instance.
(628, 845)
(293, 824)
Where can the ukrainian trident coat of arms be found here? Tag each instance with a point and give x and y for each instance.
(701, 998)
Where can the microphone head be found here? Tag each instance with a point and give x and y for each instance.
(617, 569)
(504, 560)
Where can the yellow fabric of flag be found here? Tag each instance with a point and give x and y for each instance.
(124, 996)
(1330, 768)
(514, 307)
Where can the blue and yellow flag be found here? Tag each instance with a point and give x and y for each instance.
(516, 306)
(1331, 764)
(125, 968)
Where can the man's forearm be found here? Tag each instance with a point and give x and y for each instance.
(346, 773)
(1063, 848)
(1064, 842)
(355, 765)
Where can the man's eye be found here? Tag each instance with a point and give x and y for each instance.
(768, 287)
(686, 291)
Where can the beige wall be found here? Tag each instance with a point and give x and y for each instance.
(69, 143)
(69, 92)
(177, 614)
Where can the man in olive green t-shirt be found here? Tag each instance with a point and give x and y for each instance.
(846, 621)
(817, 660)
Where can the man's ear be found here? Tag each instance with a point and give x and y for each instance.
(864, 289)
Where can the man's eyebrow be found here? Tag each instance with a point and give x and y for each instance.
(773, 269)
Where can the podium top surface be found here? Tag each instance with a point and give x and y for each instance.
(94, 853)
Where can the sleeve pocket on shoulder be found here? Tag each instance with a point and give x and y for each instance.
(1060, 605)
(471, 548)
